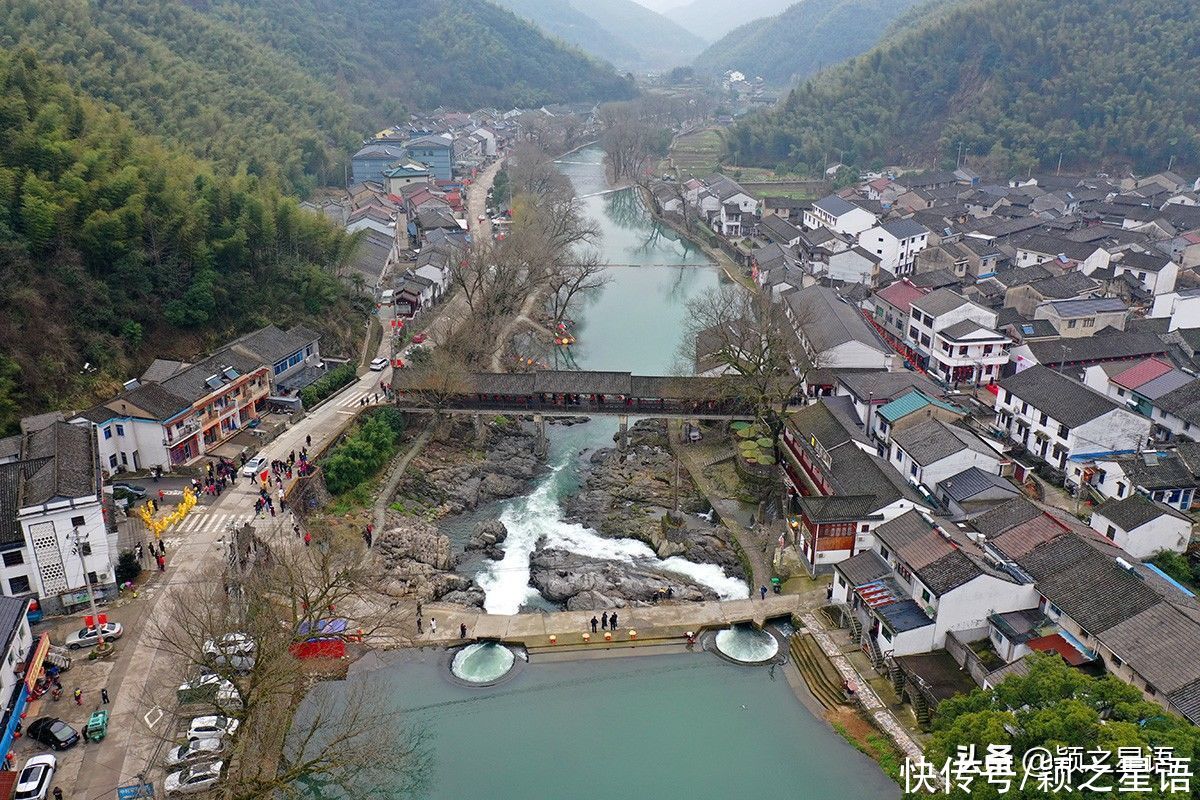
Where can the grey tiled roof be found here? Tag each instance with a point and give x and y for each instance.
(1005, 516)
(1053, 393)
(827, 322)
(835, 205)
(1086, 306)
(884, 386)
(932, 440)
(1086, 584)
(904, 228)
(940, 301)
(162, 368)
(1098, 348)
(863, 568)
(70, 469)
(1160, 643)
(1134, 511)
(972, 481)
(779, 229)
(940, 565)
(270, 344)
(191, 384)
(12, 612)
(963, 328)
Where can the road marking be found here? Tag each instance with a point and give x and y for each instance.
(155, 712)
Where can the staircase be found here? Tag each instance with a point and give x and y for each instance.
(819, 675)
(841, 615)
(896, 676)
(920, 708)
(855, 626)
(870, 647)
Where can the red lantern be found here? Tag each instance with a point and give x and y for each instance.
(103, 619)
(88, 620)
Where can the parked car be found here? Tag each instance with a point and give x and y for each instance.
(86, 637)
(213, 726)
(129, 492)
(194, 779)
(378, 364)
(254, 466)
(35, 779)
(196, 750)
(53, 732)
(231, 650)
(210, 688)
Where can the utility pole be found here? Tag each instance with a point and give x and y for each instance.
(77, 540)
(958, 161)
(235, 564)
(1060, 158)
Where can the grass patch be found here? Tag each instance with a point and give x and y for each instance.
(878, 747)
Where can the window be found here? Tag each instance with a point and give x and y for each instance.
(1111, 533)
(1063, 431)
(86, 547)
(1089, 323)
(120, 430)
(1071, 323)
(925, 340)
(78, 522)
(885, 633)
(883, 551)
(124, 459)
(1043, 419)
(987, 349)
(925, 595)
(1007, 396)
(108, 433)
(912, 333)
(112, 461)
(962, 350)
(18, 585)
(865, 528)
(913, 469)
(1120, 490)
(1120, 392)
(14, 557)
(1117, 660)
(1024, 408)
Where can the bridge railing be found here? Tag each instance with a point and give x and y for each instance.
(584, 404)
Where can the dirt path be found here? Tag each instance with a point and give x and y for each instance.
(379, 509)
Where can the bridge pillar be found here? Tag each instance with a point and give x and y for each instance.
(481, 430)
(623, 432)
(539, 427)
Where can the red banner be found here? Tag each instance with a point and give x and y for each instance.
(88, 621)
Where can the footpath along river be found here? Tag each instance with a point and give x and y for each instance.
(689, 726)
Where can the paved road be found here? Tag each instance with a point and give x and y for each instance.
(142, 677)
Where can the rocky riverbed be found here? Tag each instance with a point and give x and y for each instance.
(580, 583)
(453, 474)
(419, 561)
(626, 495)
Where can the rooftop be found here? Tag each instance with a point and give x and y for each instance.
(1058, 396)
(932, 440)
(914, 401)
(940, 301)
(1135, 511)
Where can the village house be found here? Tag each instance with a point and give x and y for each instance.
(1154, 388)
(1065, 423)
(854, 265)
(932, 450)
(1142, 527)
(1073, 356)
(1171, 478)
(839, 215)
(1182, 307)
(833, 333)
(972, 492)
(370, 162)
(893, 306)
(837, 489)
(1072, 285)
(1155, 272)
(1074, 318)
(405, 174)
(897, 243)
(911, 408)
(956, 339)
(436, 152)
(869, 391)
(56, 534)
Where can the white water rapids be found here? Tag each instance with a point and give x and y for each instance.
(529, 518)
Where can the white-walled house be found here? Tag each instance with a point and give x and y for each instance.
(839, 215)
(54, 538)
(1156, 272)
(919, 581)
(1171, 478)
(933, 450)
(896, 242)
(1142, 527)
(956, 339)
(833, 332)
(1183, 307)
(1065, 423)
(854, 265)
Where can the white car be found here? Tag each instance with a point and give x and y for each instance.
(195, 779)
(36, 776)
(210, 688)
(85, 637)
(211, 727)
(197, 750)
(378, 364)
(254, 466)
(232, 650)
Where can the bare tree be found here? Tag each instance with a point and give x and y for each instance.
(748, 342)
(242, 625)
(573, 279)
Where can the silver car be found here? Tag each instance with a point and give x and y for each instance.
(86, 637)
(195, 779)
(196, 750)
(213, 726)
(234, 650)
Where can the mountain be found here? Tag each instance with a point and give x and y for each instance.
(623, 32)
(1018, 83)
(712, 19)
(806, 37)
(115, 248)
(286, 88)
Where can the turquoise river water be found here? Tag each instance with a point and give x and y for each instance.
(687, 726)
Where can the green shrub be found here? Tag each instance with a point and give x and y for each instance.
(128, 567)
(327, 384)
(364, 452)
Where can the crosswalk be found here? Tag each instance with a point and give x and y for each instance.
(209, 522)
(354, 399)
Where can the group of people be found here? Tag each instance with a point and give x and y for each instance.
(216, 478)
(607, 622)
(157, 551)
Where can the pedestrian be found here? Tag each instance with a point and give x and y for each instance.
(58, 795)
(604, 621)
(433, 626)
(139, 552)
(162, 547)
(307, 538)
(282, 500)
(308, 441)
(104, 695)
(612, 621)
(296, 529)
(762, 592)
(161, 497)
(419, 628)
(418, 608)
(594, 622)
(162, 563)
(78, 696)
(462, 630)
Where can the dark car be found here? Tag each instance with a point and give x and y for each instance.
(53, 732)
(129, 493)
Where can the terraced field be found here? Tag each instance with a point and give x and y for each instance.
(697, 153)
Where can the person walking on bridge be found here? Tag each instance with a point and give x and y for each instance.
(604, 621)
(594, 622)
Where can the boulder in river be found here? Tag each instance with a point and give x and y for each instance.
(487, 537)
(581, 582)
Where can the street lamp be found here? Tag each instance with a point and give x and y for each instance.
(77, 543)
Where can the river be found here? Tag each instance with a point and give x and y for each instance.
(632, 324)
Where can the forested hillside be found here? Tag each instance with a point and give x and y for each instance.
(114, 248)
(712, 19)
(1018, 82)
(806, 37)
(287, 88)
